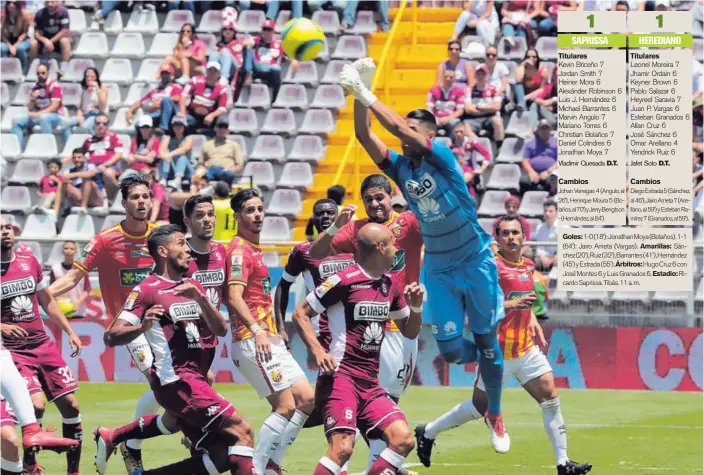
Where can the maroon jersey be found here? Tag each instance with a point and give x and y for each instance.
(100, 150)
(204, 98)
(358, 307)
(175, 339)
(22, 278)
(268, 53)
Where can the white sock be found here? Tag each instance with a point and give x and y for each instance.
(376, 447)
(455, 417)
(293, 428)
(14, 389)
(146, 405)
(392, 457)
(269, 440)
(9, 466)
(330, 465)
(555, 428)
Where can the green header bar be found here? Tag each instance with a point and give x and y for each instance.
(660, 41)
(591, 41)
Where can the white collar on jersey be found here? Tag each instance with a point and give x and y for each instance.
(368, 274)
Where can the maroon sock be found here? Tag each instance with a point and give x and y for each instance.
(382, 466)
(7, 472)
(145, 427)
(241, 460)
(72, 429)
(191, 466)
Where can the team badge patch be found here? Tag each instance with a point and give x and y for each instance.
(323, 288)
(131, 299)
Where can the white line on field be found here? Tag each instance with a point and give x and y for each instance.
(595, 426)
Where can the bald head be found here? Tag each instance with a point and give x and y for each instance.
(369, 238)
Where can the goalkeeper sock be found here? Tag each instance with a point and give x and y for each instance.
(555, 428)
(455, 417)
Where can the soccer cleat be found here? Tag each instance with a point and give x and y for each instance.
(424, 446)
(131, 458)
(38, 440)
(105, 448)
(500, 441)
(32, 469)
(574, 468)
(272, 469)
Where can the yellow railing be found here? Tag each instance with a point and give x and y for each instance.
(381, 69)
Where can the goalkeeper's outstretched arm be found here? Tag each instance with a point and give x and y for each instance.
(397, 125)
(368, 139)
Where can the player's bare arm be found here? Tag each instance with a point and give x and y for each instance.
(321, 247)
(67, 282)
(523, 302)
(410, 327)
(212, 316)
(123, 331)
(280, 306)
(363, 132)
(301, 316)
(237, 308)
(51, 307)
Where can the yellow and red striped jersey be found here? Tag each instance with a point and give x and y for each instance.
(516, 280)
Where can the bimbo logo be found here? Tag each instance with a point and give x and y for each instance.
(327, 269)
(184, 311)
(209, 277)
(18, 287)
(372, 311)
(424, 188)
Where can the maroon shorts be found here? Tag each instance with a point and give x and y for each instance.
(43, 369)
(7, 415)
(201, 411)
(347, 403)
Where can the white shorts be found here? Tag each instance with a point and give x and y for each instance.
(141, 353)
(280, 373)
(529, 366)
(397, 362)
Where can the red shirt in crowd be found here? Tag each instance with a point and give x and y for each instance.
(204, 97)
(45, 94)
(445, 102)
(268, 53)
(49, 183)
(100, 150)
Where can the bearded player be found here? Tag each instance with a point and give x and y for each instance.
(398, 354)
(120, 256)
(172, 312)
(461, 275)
(359, 301)
(35, 355)
(257, 350)
(523, 358)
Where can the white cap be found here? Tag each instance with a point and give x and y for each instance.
(145, 121)
(213, 64)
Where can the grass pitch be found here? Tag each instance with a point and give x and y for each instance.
(620, 432)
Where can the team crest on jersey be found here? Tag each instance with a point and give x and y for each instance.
(524, 277)
(326, 269)
(384, 289)
(24, 266)
(131, 299)
(132, 277)
(424, 187)
(375, 311)
(329, 283)
(86, 251)
(236, 268)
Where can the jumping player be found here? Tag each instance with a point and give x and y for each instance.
(523, 358)
(461, 275)
(35, 355)
(172, 312)
(257, 350)
(359, 301)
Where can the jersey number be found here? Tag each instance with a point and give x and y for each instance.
(66, 376)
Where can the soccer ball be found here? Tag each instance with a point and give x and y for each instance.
(302, 39)
(67, 307)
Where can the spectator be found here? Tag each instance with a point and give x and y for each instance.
(349, 14)
(188, 57)
(14, 34)
(544, 105)
(446, 102)
(531, 78)
(144, 148)
(540, 161)
(232, 53)
(265, 62)
(482, 107)
(221, 159)
(108, 6)
(174, 164)
(160, 202)
(204, 5)
(78, 294)
(44, 105)
(105, 150)
(468, 174)
(471, 153)
(478, 17)
(399, 204)
(206, 97)
(271, 7)
(611, 5)
(516, 19)
(225, 223)
(511, 205)
(498, 72)
(698, 15)
(662, 6)
(52, 33)
(94, 100)
(546, 256)
(545, 23)
(464, 72)
(160, 102)
(336, 5)
(49, 185)
(82, 185)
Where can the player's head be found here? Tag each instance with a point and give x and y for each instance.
(136, 197)
(337, 194)
(376, 195)
(324, 214)
(69, 250)
(7, 233)
(509, 236)
(248, 207)
(422, 121)
(167, 246)
(377, 246)
(78, 157)
(199, 216)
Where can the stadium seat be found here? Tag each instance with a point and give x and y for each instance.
(307, 74)
(324, 54)
(550, 66)
(113, 24)
(147, 70)
(698, 48)
(78, 228)
(75, 69)
(292, 96)
(129, 45)
(492, 203)
(504, 176)
(281, 19)
(511, 65)
(28, 171)
(256, 96)
(629, 302)
(117, 208)
(242, 142)
(210, 22)
(11, 70)
(71, 94)
(697, 30)
(296, 175)
(511, 150)
(56, 255)
(275, 229)
(279, 121)
(137, 91)
(271, 259)
(198, 142)
(318, 122)
(4, 95)
(114, 96)
(546, 46)
(328, 21)
(487, 225)
(39, 226)
(269, 147)
(516, 52)
(99, 211)
(329, 96)
(10, 114)
(42, 146)
(118, 70)
(16, 199)
(518, 125)
(473, 47)
(333, 70)
(175, 19)
(669, 298)
(34, 246)
(699, 294)
(162, 45)
(250, 21)
(145, 22)
(262, 174)
(4, 171)
(532, 203)
(23, 93)
(364, 24)
(244, 121)
(112, 220)
(77, 20)
(307, 148)
(93, 44)
(119, 124)
(350, 47)
(534, 223)
(32, 72)
(210, 41)
(11, 149)
(74, 141)
(285, 203)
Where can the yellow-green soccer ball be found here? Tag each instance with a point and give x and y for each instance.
(68, 308)
(302, 39)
